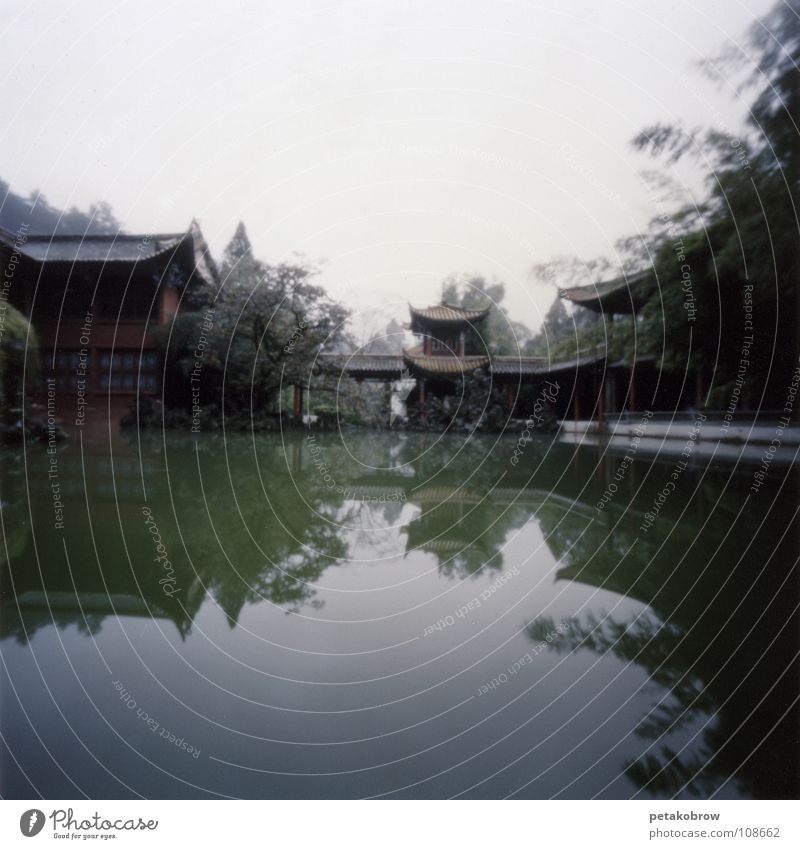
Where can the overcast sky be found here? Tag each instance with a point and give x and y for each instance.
(395, 141)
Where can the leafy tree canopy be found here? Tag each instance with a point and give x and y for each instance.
(267, 325)
(739, 248)
(499, 333)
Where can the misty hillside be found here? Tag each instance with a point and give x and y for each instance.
(43, 219)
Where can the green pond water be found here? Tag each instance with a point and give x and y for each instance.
(372, 614)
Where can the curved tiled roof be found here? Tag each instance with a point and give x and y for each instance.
(392, 366)
(444, 366)
(111, 248)
(624, 295)
(379, 366)
(522, 366)
(116, 248)
(584, 358)
(446, 313)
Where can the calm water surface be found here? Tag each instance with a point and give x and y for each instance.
(396, 616)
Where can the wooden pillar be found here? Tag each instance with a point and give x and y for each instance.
(601, 403)
(632, 389)
(576, 397)
(461, 344)
(699, 389)
(613, 393)
(297, 408)
(510, 398)
(421, 401)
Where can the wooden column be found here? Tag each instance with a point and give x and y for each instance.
(601, 403)
(510, 398)
(699, 389)
(421, 400)
(612, 392)
(297, 408)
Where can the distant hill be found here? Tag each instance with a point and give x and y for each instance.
(43, 219)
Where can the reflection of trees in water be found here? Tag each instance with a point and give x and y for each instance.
(661, 649)
(452, 481)
(464, 530)
(281, 538)
(253, 536)
(711, 616)
(226, 537)
(14, 506)
(720, 636)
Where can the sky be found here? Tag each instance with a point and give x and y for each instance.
(392, 142)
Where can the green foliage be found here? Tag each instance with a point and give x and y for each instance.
(564, 336)
(498, 333)
(745, 234)
(557, 327)
(475, 404)
(18, 341)
(261, 332)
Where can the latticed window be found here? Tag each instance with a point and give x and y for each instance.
(126, 370)
(63, 367)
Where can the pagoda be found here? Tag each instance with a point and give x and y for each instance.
(450, 349)
(441, 355)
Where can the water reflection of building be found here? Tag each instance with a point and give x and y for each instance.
(465, 527)
(720, 635)
(103, 562)
(99, 564)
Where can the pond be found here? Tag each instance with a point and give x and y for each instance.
(388, 615)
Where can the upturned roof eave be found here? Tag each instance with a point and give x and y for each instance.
(446, 314)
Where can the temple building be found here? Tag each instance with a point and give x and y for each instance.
(441, 355)
(95, 302)
(621, 296)
(604, 386)
(450, 349)
(594, 386)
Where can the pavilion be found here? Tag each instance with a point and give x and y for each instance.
(604, 385)
(450, 349)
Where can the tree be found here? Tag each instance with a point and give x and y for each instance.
(740, 247)
(19, 355)
(38, 216)
(267, 325)
(558, 326)
(239, 265)
(498, 333)
(730, 259)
